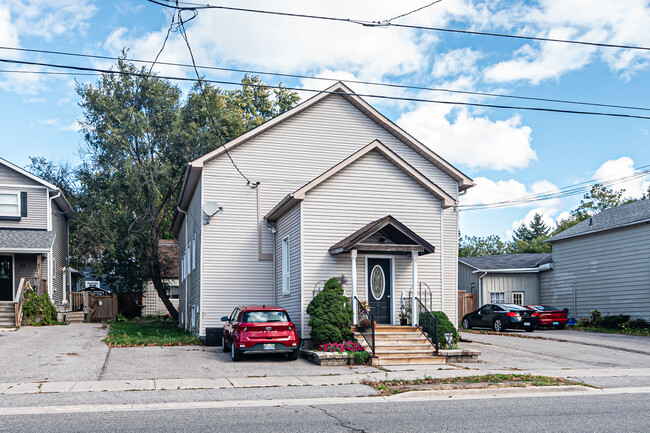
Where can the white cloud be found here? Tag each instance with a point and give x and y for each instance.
(476, 142)
(489, 191)
(456, 62)
(623, 167)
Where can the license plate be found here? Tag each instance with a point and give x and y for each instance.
(556, 323)
(269, 347)
(526, 323)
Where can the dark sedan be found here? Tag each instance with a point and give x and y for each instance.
(500, 317)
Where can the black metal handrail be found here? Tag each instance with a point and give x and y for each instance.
(428, 293)
(371, 342)
(435, 342)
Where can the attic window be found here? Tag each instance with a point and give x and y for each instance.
(9, 204)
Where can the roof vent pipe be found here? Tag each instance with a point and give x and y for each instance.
(591, 223)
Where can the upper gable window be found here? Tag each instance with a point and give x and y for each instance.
(10, 204)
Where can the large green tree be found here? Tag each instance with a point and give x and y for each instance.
(139, 134)
(471, 246)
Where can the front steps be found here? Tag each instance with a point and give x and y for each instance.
(7, 314)
(400, 345)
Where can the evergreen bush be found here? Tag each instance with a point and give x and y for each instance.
(330, 315)
(444, 326)
(38, 310)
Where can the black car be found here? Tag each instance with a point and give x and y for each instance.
(500, 317)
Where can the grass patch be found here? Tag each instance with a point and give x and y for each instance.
(397, 386)
(644, 332)
(148, 332)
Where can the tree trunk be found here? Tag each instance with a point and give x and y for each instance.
(158, 284)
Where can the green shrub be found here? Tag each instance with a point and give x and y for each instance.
(595, 318)
(38, 310)
(614, 322)
(444, 326)
(361, 358)
(635, 324)
(331, 315)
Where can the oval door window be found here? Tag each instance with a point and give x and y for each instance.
(377, 282)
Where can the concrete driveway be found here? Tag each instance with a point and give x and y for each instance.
(625, 358)
(53, 353)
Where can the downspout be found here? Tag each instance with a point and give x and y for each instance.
(274, 231)
(480, 289)
(181, 272)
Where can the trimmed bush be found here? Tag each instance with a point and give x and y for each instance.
(444, 326)
(361, 358)
(330, 315)
(614, 322)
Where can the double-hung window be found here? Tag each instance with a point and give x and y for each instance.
(286, 271)
(9, 204)
(497, 298)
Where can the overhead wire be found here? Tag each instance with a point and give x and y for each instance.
(363, 82)
(367, 23)
(412, 12)
(366, 95)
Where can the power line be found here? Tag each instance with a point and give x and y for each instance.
(365, 23)
(251, 184)
(566, 191)
(412, 12)
(308, 77)
(366, 95)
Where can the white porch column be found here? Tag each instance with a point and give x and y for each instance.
(414, 315)
(353, 260)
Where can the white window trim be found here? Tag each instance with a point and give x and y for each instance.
(522, 298)
(17, 194)
(495, 295)
(193, 252)
(286, 266)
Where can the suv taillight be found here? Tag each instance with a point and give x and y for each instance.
(513, 314)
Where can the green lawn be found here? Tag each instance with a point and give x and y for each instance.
(148, 332)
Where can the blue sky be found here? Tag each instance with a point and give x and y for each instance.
(509, 153)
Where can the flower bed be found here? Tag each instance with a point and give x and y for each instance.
(346, 346)
(345, 353)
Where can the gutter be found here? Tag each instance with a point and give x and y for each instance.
(274, 231)
(480, 289)
(511, 270)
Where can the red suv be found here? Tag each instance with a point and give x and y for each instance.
(259, 329)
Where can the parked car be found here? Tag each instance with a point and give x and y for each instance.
(550, 316)
(500, 317)
(259, 329)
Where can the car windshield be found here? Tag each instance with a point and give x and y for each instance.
(513, 307)
(265, 316)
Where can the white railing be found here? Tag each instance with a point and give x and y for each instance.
(18, 301)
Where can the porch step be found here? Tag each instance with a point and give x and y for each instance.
(7, 314)
(74, 317)
(400, 345)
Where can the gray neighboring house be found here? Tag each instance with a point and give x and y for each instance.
(510, 278)
(33, 235)
(342, 190)
(602, 263)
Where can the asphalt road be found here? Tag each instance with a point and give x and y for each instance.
(588, 413)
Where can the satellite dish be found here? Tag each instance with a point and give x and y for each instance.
(209, 209)
(212, 207)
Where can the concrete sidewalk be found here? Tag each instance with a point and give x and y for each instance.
(292, 381)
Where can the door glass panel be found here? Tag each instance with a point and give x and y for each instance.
(5, 269)
(377, 282)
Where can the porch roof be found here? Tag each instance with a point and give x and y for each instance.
(402, 239)
(27, 241)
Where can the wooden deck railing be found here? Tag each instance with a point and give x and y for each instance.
(18, 301)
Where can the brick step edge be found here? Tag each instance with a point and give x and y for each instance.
(327, 358)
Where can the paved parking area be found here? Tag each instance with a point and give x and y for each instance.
(53, 353)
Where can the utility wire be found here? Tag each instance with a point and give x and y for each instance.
(251, 184)
(308, 77)
(412, 12)
(567, 191)
(365, 23)
(366, 95)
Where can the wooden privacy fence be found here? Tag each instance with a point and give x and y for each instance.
(96, 307)
(466, 303)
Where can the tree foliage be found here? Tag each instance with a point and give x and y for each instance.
(139, 134)
(471, 246)
(330, 314)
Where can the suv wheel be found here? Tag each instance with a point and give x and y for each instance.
(293, 355)
(224, 346)
(235, 354)
(497, 325)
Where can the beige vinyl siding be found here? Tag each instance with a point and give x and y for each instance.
(368, 189)
(37, 203)
(607, 271)
(283, 159)
(194, 225)
(509, 283)
(289, 226)
(449, 253)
